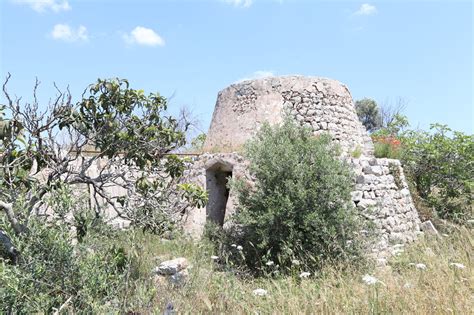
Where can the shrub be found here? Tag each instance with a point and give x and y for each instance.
(357, 152)
(53, 270)
(386, 147)
(441, 167)
(300, 206)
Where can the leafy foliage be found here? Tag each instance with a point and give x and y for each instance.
(440, 164)
(300, 206)
(131, 138)
(368, 112)
(51, 270)
(126, 121)
(198, 142)
(386, 147)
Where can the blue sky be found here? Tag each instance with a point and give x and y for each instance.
(420, 51)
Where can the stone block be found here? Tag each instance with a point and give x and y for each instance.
(428, 228)
(171, 267)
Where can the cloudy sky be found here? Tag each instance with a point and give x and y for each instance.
(420, 51)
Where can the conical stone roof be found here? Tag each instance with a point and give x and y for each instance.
(324, 105)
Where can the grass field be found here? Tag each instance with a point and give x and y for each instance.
(432, 276)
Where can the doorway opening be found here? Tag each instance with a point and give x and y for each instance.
(217, 177)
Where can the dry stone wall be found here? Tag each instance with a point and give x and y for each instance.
(382, 196)
(206, 171)
(325, 106)
(321, 104)
(323, 111)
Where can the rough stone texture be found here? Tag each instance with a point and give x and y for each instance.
(381, 192)
(171, 267)
(323, 105)
(195, 220)
(429, 228)
(174, 272)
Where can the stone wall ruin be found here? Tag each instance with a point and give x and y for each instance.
(323, 105)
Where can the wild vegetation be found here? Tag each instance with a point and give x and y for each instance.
(295, 246)
(438, 163)
(299, 207)
(112, 274)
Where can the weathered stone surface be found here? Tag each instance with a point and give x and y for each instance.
(205, 173)
(380, 193)
(319, 103)
(429, 228)
(180, 278)
(171, 267)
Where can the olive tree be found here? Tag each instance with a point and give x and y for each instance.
(299, 204)
(43, 148)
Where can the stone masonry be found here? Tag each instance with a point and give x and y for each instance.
(324, 105)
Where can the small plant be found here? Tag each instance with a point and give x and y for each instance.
(386, 147)
(198, 143)
(395, 172)
(357, 152)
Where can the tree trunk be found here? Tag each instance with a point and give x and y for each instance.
(8, 209)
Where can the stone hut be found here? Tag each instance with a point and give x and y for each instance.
(324, 105)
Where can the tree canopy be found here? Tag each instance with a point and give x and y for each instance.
(43, 148)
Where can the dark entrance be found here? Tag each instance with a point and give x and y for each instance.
(217, 177)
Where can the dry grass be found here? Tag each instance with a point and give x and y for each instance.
(439, 289)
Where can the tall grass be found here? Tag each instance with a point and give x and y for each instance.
(402, 287)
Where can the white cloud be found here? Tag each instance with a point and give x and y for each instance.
(65, 33)
(45, 5)
(144, 36)
(366, 9)
(260, 74)
(240, 3)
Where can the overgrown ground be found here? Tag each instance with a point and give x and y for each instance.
(441, 288)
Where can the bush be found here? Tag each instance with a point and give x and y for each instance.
(386, 147)
(300, 206)
(440, 165)
(51, 270)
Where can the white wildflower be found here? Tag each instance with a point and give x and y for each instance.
(260, 292)
(305, 275)
(214, 257)
(370, 280)
(295, 262)
(458, 265)
(270, 263)
(408, 285)
(420, 266)
(233, 245)
(240, 247)
(397, 251)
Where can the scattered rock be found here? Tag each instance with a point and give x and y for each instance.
(170, 267)
(172, 272)
(179, 278)
(260, 292)
(428, 228)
